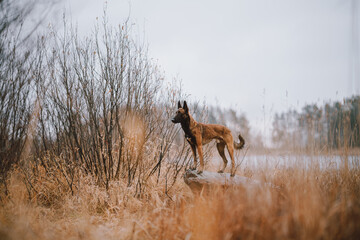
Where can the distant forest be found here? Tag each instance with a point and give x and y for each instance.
(331, 126)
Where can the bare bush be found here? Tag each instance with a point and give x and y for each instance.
(17, 62)
(104, 111)
(15, 104)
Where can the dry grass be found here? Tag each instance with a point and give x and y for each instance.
(312, 204)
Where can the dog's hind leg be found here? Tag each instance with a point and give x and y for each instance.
(230, 148)
(221, 147)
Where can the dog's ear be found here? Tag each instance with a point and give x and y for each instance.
(179, 104)
(186, 107)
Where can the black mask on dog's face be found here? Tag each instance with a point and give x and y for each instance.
(181, 114)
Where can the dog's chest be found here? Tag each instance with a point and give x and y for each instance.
(190, 139)
(191, 134)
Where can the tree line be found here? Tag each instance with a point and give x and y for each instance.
(330, 126)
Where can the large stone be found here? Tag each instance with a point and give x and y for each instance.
(206, 179)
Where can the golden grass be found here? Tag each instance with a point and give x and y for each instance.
(312, 204)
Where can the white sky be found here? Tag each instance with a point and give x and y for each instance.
(251, 55)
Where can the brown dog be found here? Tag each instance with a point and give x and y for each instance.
(198, 134)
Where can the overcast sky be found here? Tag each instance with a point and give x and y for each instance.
(251, 55)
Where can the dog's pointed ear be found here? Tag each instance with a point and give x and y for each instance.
(179, 104)
(186, 107)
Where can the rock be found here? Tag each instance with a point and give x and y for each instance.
(198, 181)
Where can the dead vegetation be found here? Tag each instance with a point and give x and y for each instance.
(312, 204)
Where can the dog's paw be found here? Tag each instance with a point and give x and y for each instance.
(232, 175)
(221, 171)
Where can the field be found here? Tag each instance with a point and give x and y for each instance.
(313, 203)
(88, 151)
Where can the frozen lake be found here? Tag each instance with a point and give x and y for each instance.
(292, 160)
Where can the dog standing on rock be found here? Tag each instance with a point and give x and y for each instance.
(198, 134)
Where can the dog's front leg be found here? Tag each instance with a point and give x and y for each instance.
(193, 149)
(201, 157)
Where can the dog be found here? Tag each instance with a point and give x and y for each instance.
(199, 134)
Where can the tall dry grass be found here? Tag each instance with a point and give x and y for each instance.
(312, 203)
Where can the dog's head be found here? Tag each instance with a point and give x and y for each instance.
(182, 114)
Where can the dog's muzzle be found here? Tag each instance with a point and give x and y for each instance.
(173, 120)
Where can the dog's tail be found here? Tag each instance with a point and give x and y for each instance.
(241, 144)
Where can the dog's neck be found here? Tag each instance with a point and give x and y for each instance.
(188, 125)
